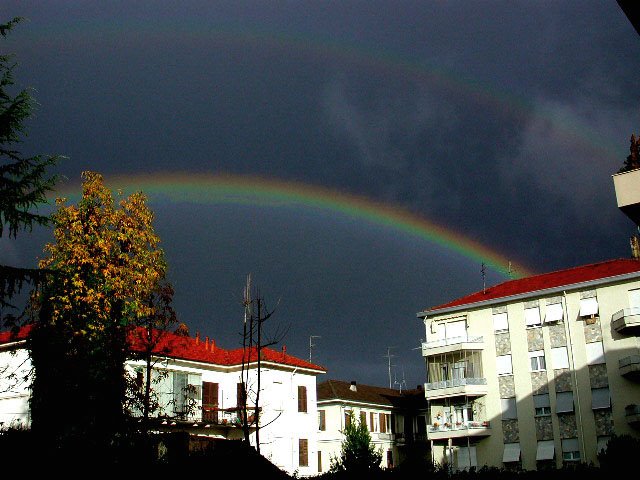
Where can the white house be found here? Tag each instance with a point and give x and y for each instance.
(396, 420)
(198, 387)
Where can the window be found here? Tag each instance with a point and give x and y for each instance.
(500, 322)
(503, 365)
(210, 402)
(570, 450)
(542, 405)
(603, 440)
(347, 418)
(389, 459)
(319, 461)
(595, 353)
(532, 316)
(303, 452)
(180, 382)
(467, 458)
(588, 307)
(564, 402)
(302, 398)
(139, 380)
(545, 450)
(560, 357)
(322, 425)
(241, 394)
(600, 398)
(554, 313)
(509, 410)
(382, 419)
(511, 453)
(537, 361)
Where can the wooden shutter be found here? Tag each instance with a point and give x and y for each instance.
(210, 402)
(302, 398)
(347, 419)
(240, 394)
(363, 418)
(319, 461)
(383, 422)
(321, 420)
(372, 421)
(303, 452)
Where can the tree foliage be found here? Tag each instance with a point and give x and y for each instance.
(357, 453)
(106, 267)
(24, 181)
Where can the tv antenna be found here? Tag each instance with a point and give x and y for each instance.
(401, 383)
(483, 271)
(388, 356)
(311, 344)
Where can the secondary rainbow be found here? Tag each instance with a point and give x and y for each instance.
(212, 189)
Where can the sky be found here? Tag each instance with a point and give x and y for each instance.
(361, 160)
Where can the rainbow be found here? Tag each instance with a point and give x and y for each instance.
(384, 62)
(209, 189)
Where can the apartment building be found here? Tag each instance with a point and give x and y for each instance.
(198, 387)
(396, 420)
(535, 372)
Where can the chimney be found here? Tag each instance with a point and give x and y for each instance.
(353, 387)
(213, 345)
(206, 343)
(284, 350)
(197, 337)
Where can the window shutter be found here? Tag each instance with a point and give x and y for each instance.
(347, 419)
(322, 420)
(363, 418)
(240, 394)
(371, 421)
(302, 398)
(303, 452)
(383, 422)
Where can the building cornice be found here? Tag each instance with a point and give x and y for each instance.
(534, 293)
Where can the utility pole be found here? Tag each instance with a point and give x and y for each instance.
(311, 344)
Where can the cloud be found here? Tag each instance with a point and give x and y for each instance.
(565, 151)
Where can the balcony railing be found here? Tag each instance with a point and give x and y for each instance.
(457, 426)
(628, 318)
(456, 382)
(444, 342)
(227, 416)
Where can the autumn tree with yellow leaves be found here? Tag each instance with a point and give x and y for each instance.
(107, 266)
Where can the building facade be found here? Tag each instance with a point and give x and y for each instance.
(535, 372)
(396, 420)
(197, 386)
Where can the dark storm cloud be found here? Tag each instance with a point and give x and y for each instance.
(502, 121)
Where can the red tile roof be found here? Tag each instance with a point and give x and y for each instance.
(188, 348)
(560, 278)
(340, 390)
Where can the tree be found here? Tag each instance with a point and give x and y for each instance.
(24, 181)
(633, 159)
(253, 342)
(357, 453)
(107, 265)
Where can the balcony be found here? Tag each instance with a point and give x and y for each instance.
(632, 414)
(626, 321)
(630, 367)
(446, 345)
(470, 428)
(227, 417)
(628, 194)
(470, 387)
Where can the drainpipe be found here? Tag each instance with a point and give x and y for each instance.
(574, 378)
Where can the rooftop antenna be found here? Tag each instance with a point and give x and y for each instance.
(400, 384)
(389, 357)
(483, 270)
(311, 344)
